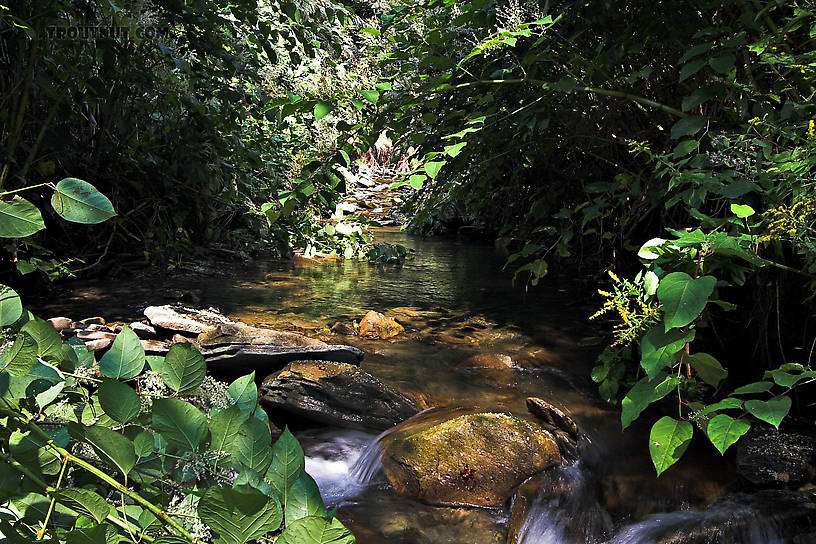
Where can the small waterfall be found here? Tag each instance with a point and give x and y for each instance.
(732, 520)
(565, 511)
(331, 462)
(368, 465)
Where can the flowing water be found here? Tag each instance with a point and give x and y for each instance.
(456, 303)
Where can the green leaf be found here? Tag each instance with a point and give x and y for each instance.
(724, 430)
(126, 357)
(658, 347)
(18, 359)
(370, 95)
(184, 367)
(79, 202)
(357, 103)
(690, 69)
(84, 501)
(417, 180)
(251, 446)
(454, 150)
(11, 309)
(180, 423)
(304, 500)
(322, 109)
(709, 368)
(725, 404)
(19, 218)
(643, 393)
(688, 126)
(244, 392)
(225, 426)
(742, 210)
(49, 343)
(433, 168)
(772, 411)
(144, 444)
(650, 282)
(316, 530)
(668, 442)
(683, 297)
(98, 534)
(684, 148)
(723, 63)
(287, 465)
(119, 400)
(239, 514)
(113, 448)
(756, 387)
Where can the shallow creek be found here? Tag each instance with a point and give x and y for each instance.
(455, 302)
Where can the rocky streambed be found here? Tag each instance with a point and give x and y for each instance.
(523, 476)
(437, 403)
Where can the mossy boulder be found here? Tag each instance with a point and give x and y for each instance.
(474, 459)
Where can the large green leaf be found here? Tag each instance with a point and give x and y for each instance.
(119, 400)
(432, 168)
(239, 514)
(688, 126)
(180, 423)
(19, 359)
(19, 218)
(11, 309)
(113, 448)
(322, 109)
(304, 500)
(244, 392)
(316, 530)
(79, 202)
(126, 357)
(225, 426)
(683, 297)
(658, 347)
(251, 447)
(668, 441)
(85, 501)
(49, 343)
(643, 393)
(287, 465)
(709, 368)
(772, 411)
(184, 367)
(724, 430)
(371, 96)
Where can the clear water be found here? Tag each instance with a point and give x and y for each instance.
(456, 302)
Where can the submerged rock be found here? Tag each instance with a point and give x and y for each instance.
(768, 457)
(376, 325)
(342, 328)
(473, 459)
(181, 319)
(335, 393)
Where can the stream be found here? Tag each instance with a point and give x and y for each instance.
(456, 303)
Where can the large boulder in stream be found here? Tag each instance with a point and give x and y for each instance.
(474, 459)
(336, 393)
(232, 333)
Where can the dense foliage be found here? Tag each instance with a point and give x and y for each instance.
(674, 139)
(135, 448)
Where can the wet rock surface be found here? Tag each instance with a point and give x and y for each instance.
(335, 393)
(767, 457)
(473, 459)
(377, 325)
(551, 415)
(182, 319)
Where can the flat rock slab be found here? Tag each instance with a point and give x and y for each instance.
(767, 457)
(227, 334)
(181, 319)
(265, 359)
(336, 393)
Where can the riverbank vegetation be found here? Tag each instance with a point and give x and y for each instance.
(665, 149)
